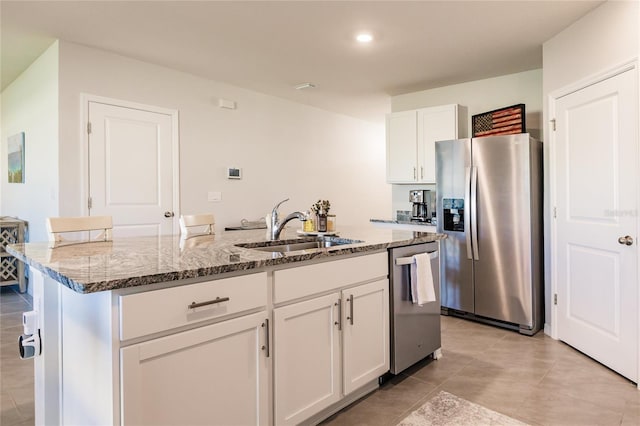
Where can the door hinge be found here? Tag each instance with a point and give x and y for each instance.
(555, 298)
(553, 124)
(90, 203)
(88, 127)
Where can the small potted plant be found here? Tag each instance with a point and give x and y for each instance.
(321, 209)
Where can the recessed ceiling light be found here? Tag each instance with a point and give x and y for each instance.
(364, 38)
(303, 86)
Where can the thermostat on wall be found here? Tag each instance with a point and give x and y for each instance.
(234, 173)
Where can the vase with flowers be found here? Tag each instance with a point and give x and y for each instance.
(321, 209)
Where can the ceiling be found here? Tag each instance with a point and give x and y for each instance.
(272, 46)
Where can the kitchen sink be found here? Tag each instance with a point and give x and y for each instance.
(295, 245)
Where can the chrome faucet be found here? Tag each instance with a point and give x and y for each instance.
(276, 228)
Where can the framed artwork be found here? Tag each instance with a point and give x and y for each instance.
(15, 155)
(504, 121)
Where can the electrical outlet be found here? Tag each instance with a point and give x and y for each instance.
(214, 196)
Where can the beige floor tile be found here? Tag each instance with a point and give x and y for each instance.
(11, 320)
(9, 414)
(437, 371)
(607, 392)
(363, 413)
(400, 394)
(560, 409)
(631, 414)
(14, 307)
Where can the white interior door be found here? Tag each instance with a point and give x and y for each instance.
(597, 203)
(131, 176)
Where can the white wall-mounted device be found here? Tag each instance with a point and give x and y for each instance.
(234, 173)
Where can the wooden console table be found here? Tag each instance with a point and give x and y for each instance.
(12, 230)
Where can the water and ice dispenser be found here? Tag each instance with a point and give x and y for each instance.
(453, 214)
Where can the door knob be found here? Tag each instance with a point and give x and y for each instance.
(626, 240)
(168, 214)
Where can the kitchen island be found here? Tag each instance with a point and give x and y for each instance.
(210, 330)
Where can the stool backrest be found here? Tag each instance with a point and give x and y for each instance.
(197, 224)
(82, 229)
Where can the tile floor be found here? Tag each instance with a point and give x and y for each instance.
(16, 375)
(537, 380)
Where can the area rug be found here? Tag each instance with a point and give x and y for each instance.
(446, 409)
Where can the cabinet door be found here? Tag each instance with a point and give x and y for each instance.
(434, 124)
(213, 375)
(401, 147)
(306, 358)
(365, 334)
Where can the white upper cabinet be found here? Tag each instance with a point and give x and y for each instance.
(411, 138)
(402, 146)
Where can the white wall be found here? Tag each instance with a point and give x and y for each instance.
(484, 95)
(30, 105)
(477, 97)
(604, 38)
(285, 149)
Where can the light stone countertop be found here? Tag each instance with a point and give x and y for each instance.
(138, 261)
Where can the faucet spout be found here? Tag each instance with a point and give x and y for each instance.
(277, 227)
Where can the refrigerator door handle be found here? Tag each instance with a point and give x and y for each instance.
(474, 212)
(467, 207)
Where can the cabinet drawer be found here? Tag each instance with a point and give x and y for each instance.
(290, 284)
(159, 310)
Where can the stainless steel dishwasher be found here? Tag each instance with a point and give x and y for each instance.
(415, 330)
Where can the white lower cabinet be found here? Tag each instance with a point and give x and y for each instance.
(306, 358)
(212, 375)
(365, 334)
(327, 347)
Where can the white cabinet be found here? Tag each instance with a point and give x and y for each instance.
(306, 358)
(329, 346)
(212, 375)
(365, 334)
(402, 146)
(411, 138)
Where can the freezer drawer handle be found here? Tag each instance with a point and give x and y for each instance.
(409, 260)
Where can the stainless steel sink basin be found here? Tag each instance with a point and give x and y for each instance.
(295, 245)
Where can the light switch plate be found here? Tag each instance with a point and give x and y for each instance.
(214, 196)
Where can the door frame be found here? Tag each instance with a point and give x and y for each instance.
(552, 98)
(85, 98)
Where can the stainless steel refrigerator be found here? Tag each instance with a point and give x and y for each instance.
(489, 204)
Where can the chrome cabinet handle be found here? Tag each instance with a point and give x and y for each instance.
(415, 173)
(169, 214)
(194, 305)
(339, 322)
(421, 172)
(267, 345)
(350, 317)
(627, 240)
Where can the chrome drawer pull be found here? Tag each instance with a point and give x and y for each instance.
(194, 305)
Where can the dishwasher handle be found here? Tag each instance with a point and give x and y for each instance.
(409, 260)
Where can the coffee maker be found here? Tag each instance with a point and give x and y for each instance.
(421, 209)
